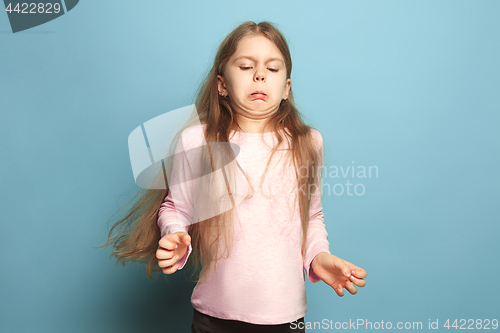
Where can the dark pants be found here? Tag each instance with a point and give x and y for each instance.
(203, 323)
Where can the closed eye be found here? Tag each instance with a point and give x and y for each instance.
(271, 69)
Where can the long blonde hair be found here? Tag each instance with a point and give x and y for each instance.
(137, 233)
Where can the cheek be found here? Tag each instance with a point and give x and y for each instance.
(236, 86)
(278, 85)
(279, 81)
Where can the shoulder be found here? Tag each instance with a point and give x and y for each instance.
(193, 136)
(317, 136)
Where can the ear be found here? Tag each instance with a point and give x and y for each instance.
(221, 86)
(286, 91)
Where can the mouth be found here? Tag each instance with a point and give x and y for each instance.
(258, 95)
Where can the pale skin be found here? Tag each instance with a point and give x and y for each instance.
(258, 65)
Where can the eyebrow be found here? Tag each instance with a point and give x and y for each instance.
(253, 59)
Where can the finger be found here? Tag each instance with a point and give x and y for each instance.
(170, 270)
(167, 243)
(342, 265)
(168, 262)
(181, 237)
(359, 272)
(359, 282)
(351, 288)
(186, 239)
(338, 289)
(355, 270)
(164, 254)
(346, 271)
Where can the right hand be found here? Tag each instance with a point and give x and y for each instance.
(171, 248)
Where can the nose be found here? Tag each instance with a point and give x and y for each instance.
(260, 75)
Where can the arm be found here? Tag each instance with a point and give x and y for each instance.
(319, 263)
(175, 213)
(317, 236)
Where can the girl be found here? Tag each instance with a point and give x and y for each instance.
(250, 238)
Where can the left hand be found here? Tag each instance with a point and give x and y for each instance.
(338, 273)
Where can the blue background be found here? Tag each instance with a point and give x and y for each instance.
(411, 87)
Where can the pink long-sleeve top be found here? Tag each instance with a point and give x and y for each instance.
(262, 280)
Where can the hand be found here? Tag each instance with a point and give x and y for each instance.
(338, 273)
(171, 248)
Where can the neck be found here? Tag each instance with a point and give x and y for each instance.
(248, 125)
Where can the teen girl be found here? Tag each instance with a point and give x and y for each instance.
(251, 257)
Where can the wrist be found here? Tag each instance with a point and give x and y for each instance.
(317, 257)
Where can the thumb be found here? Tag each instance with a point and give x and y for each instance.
(345, 271)
(341, 265)
(186, 239)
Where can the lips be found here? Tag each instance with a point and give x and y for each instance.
(258, 95)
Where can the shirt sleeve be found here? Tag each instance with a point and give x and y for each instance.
(176, 212)
(317, 236)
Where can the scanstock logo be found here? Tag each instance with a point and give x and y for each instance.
(25, 15)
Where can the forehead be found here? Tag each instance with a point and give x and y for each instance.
(257, 47)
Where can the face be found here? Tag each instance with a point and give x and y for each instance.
(256, 66)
